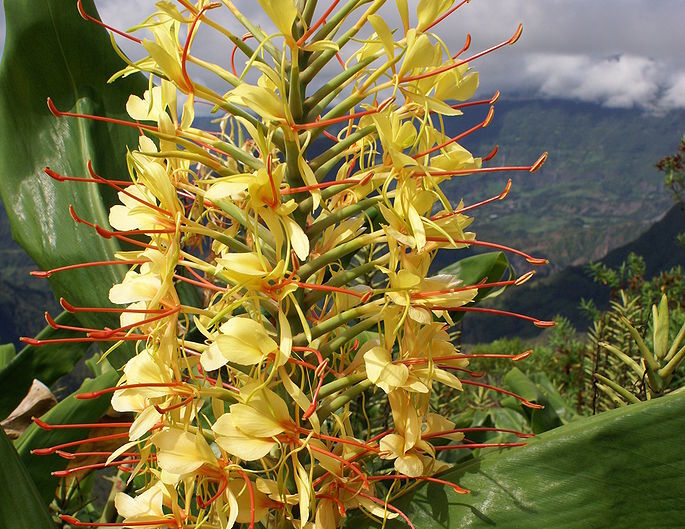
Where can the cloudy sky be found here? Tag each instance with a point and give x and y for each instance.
(620, 53)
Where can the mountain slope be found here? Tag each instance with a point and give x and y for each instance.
(561, 293)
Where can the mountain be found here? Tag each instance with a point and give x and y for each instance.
(561, 292)
(598, 190)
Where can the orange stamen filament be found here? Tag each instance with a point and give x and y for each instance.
(96, 394)
(341, 119)
(532, 260)
(445, 15)
(45, 426)
(501, 196)
(448, 67)
(525, 402)
(164, 522)
(48, 273)
(318, 23)
(89, 18)
(458, 137)
(454, 486)
(53, 449)
(472, 446)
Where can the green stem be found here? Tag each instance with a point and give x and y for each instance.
(343, 278)
(323, 163)
(342, 214)
(340, 384)
(348, 335)
(334, 322)
(315, 67)
(338, 402)
(339, 252)
(315, 104)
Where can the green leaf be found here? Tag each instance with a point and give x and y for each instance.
(47, 363)
(540, 420)
(70, 411)
(50, 51)
(7, 353)
(621, 469)
(485, 266)
(21, 507)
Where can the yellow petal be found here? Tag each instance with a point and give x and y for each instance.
(239, 444)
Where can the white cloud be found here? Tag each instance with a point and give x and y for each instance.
(623, 81)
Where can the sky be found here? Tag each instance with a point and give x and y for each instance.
(618, 53)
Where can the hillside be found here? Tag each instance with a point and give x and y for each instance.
(598, 190)
(561, 292)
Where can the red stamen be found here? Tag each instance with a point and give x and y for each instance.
(525, 402)
(109, 333)
(448, 67)
(323, 185)
(250, 491)
(185, 401)
(202, 504)
(535, 321)
(330, 136)
(501, 196)
(189, 39)
(457, 488)
(94, 466)
(117, 338)
(71, 308)
(321, 373)
(164, 522)
(53, 449)
(458, 137)
(315, 26)
(457, 172)
(492, 154)
(73, 455)
(343, 462)
(96, 394)
(536, 261)
(52, 323)
(45, 426)
(108, 233)
(134, 197)
(235, 48)
(89, 18)
(521, 435)
(490, 101)
(48, 273)
(478, 445)
(421, 295)
(61, 178)
(348, 117)
(203, 284)
(341, 506)
(445, 15)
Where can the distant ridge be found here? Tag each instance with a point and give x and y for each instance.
(561, 292)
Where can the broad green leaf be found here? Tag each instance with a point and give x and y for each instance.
(540, 420)
(47, 363)
(70, 411)
(621, 469)
(50, 51)
(21, 507)
(471, 270)
(7, 353)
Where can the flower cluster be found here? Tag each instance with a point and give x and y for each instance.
(311, 265)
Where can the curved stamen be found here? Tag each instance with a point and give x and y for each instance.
(524, 401)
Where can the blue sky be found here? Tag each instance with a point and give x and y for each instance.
(620, 53)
